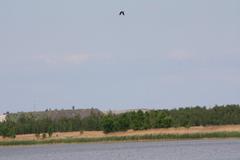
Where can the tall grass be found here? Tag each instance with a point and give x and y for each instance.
(126, 138)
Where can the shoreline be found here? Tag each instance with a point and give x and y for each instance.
(132, 138)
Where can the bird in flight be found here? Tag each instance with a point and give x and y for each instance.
(122, 13)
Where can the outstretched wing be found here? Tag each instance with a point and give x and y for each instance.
(122, 13)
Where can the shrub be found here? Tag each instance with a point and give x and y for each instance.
(50, 131)
(44, 135)
(108, 124)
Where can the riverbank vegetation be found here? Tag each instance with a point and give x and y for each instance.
(146, 137)
(27, 123)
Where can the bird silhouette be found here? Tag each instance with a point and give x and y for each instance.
(121, 13)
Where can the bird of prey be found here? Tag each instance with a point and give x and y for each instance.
(121, 13)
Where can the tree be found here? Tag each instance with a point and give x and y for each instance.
(107, 124)
(123, 122)
(50, 131)
(8, 129)
(167, 122)
(137, 120)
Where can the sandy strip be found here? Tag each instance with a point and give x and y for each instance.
(95, 134)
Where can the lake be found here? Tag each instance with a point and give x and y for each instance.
(162, 150)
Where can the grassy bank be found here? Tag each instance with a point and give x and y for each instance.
(126, 138)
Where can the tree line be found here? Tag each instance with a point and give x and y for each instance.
(136, 120)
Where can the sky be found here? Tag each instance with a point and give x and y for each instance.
(161, 54)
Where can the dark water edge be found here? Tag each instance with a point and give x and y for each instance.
(221, 149)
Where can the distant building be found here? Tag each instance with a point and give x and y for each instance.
(2, 118)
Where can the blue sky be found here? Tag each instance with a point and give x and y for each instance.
(162, 54)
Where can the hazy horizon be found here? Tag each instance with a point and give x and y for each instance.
(161, 54)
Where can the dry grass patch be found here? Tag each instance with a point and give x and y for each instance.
(99, 134)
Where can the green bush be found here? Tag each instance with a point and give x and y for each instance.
(107, 124)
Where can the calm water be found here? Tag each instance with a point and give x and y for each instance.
(173, 150)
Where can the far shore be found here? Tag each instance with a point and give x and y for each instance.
(223, 131)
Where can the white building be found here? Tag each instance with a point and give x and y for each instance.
(2, 118)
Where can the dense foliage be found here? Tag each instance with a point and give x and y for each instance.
(136, 120)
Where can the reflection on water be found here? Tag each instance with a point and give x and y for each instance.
(173, 150)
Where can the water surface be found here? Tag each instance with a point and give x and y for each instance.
(171, 150)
